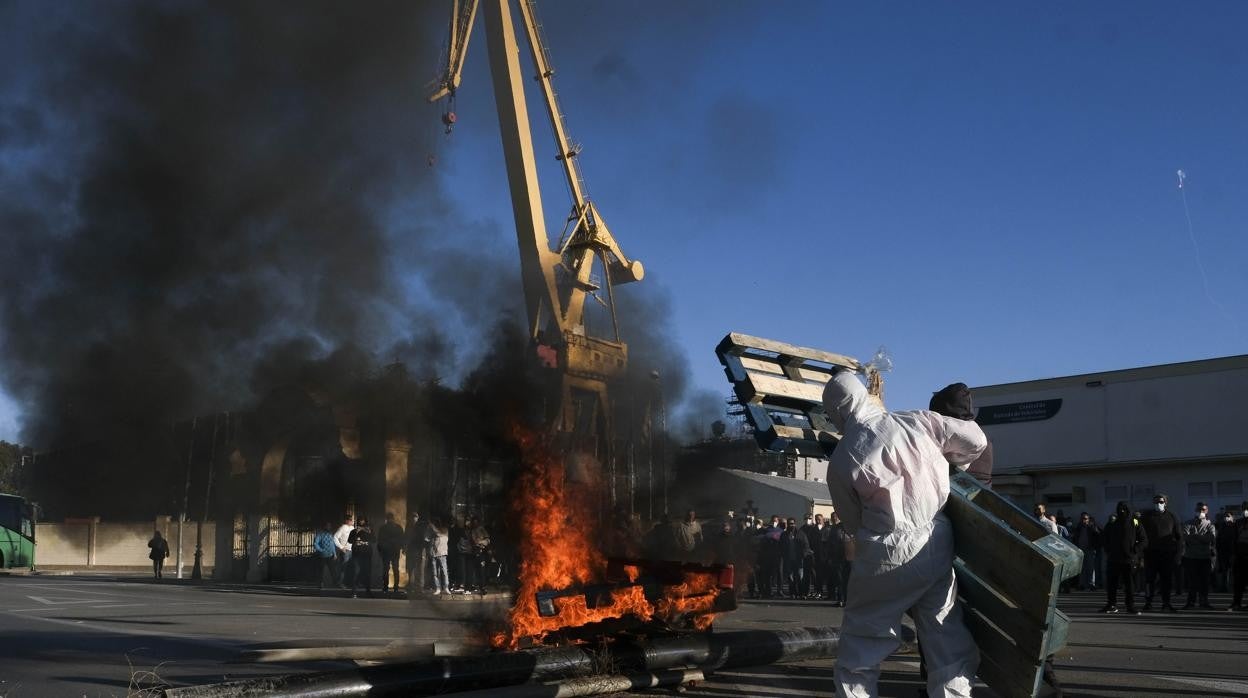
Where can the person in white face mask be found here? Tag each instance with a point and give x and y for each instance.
(889, 479)
(1165, 551)
(1199, 548)
(1239, 562)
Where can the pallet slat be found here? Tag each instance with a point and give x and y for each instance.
(779, 384)
(1014, 622)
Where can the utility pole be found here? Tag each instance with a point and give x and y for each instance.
(197, 572)
(186, 497)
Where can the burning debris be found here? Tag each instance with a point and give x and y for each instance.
(568, 587)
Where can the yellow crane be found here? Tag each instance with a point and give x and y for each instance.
(557, 280)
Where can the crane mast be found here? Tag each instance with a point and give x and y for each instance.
(557, 281)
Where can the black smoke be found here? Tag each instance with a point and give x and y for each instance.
(229, 206)
(196, 190)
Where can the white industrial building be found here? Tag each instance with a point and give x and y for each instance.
(1082, 443)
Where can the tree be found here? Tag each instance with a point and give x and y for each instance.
(11, 475)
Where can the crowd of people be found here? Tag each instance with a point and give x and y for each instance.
(775, 557)
(440, 555)
(1156, 556)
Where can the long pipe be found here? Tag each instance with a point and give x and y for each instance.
(708, 651)
(592, 685)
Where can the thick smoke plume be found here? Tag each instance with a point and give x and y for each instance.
(192, 190)
(206, 203)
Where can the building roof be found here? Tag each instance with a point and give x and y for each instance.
(1185, 368)
(814, 491)
(1133, 464)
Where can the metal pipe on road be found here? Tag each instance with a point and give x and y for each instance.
(709, 651)
(592, 685)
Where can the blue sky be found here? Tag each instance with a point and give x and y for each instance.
(988, 189)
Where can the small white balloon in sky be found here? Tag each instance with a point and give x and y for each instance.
(1182, 177)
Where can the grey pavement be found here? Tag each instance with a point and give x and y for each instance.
(99, 636)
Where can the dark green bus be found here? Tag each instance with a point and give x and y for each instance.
(17, 532)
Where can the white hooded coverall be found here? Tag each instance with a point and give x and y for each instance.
(889, 479)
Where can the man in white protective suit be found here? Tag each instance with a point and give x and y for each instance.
(889, 479)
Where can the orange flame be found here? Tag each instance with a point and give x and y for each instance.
(558, 549)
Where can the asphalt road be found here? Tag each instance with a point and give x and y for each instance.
(86, 636)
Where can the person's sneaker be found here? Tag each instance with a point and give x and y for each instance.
(1132, 612)
(354, 596)
(436, 592)
(1108, 609)
(1169, 609)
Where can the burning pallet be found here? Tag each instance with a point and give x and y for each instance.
(569, 590)
(683, 595)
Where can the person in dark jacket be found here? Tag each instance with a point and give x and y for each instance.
(795, 549)
(1165, 550)
(844, 550)
(390, 546)
(1199, 548)
(361, 541)
(770, 559)
(722, 548)
(1087, 537)
(1226, 550)
(1239, 561)
(818, 534)
(160, 551)
(1125, 539)
(419, 535)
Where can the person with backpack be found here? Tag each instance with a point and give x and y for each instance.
(326, 553)
(160, 551)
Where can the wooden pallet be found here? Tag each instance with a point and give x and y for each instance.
(780, 388)
(1008, 565)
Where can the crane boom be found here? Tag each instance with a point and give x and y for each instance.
(566, 272)
(556, 280)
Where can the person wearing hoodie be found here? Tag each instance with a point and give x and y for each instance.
(1199, 541)
(1225, 551)
(1239, 561)
(1165, 551)
(1124, 540)
(889, 479)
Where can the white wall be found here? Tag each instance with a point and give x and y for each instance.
(1178, 417)
(1075, 434)
(1126, 418)
(1182, 484)
(117, 544)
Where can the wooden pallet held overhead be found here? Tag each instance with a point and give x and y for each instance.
(780, 387)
